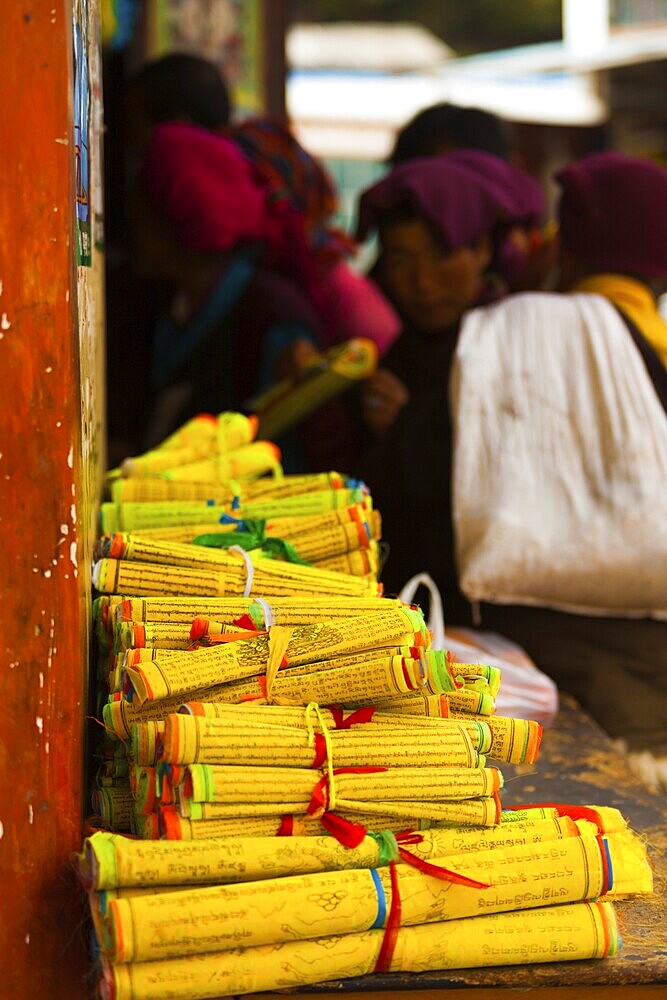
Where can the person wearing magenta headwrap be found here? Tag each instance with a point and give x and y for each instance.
(245, 280)
(613, 221)
(442, 222)
(609, 651)
(350, 304)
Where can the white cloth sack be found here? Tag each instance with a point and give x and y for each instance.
(525, 692)
(560, 460)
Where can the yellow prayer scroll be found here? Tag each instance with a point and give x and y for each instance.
(576, 931)
(189, 739)
(291, 610)
(110, 860)
(284, 405)
(195, 920)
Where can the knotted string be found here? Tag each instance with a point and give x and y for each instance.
(573, 812)
(383, 963)
(250, 569)
(361, 715)
(320, 741)
(269, 619)
(436, 871)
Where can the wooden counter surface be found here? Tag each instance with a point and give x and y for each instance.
(578, 765)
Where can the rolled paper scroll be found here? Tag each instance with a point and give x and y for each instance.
(252, 791)
(299, 505)
(203, 818)
(516, 741)
(326, 542)
(162, 674)
(182, 535)
(195, 920)
(289, 402)
(576, 931)
(376, 680)
(292, 527)
(151, 490)
(115, 806)
(363, 563)
(142, 578)
(189, 739)
(292, 610)
(202, 436)
(124, 491)
(300, 483)
(248, 462)
(134, 517)
(299, 717)
(109, 860)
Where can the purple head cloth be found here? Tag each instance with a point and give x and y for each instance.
(464, 195)
(613, 214)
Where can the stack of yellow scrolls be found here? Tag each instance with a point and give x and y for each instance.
(311, 790)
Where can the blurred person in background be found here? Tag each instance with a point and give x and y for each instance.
(440, 128)
(176, 87)
(612, 216)
(442, 223)
(528, 256)
(351, 304)
(239, 267)
(340, 303)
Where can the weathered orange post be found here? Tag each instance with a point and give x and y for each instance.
(47, 492)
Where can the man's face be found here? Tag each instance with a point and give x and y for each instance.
(431, 287)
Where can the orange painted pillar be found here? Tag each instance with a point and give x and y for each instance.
(44, 552)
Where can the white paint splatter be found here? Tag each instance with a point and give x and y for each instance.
(4, 322)
(52, 648)
(47, 573)
(48, 369)
(31, 814)
(67, 295)
(54, 562)
(70, 458)
(1, 286)
(41, 679)
(59, 423)
(39, 722)
(27, 939)
(2, 829)
(72, 554)
(72, 511)
(63, 142)
(47, 747)
(64, 528)
(55, 208)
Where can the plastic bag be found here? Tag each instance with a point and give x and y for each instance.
(525, 692)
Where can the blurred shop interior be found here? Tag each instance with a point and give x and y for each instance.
(567, 79)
